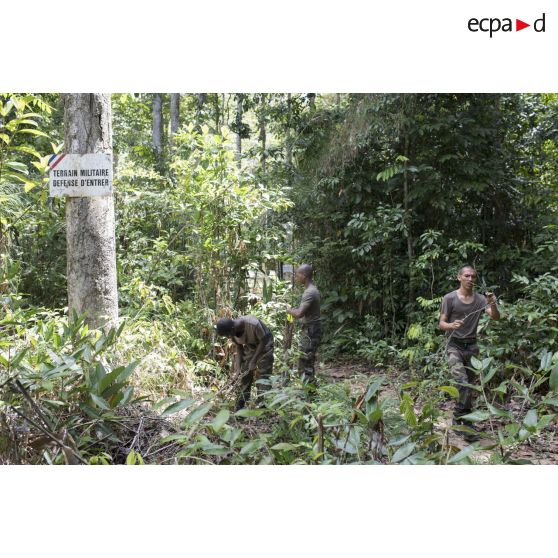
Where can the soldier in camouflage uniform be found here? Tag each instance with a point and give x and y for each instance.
(254, 353)
(459, 318)
(311, 332)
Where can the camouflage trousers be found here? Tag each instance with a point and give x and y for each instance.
(263, 370)
(459, 360)
(310, 338)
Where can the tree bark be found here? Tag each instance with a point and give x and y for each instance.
(157, 123)
(263, 133)
(91, 247)
(312, 100)
(175, 113)
(408, 223)
(239, 129)
(200, 102)
(288, 142)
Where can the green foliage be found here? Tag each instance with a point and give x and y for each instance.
(386, 195)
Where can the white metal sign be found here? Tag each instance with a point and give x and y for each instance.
(81, 175)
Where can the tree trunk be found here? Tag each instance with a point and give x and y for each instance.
(239, 129)
(263, 134)
(200, 101)
(175, 113)
(157, 123)
(91, 250)
(288, 144)
(408, 224)
(312, 100)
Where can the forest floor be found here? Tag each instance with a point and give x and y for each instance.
(542, 450)
(149, 427)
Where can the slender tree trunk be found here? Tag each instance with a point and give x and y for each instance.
(239, 97)
(263, 133)
(91, 251)
(288, 142)
(157, 124)
(201, 99)
(217, 112)
(338, 100)
(312, 100)
(408, 223)
(175, 113)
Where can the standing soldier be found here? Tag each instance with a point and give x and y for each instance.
(254, 353)
(459, 318)
(309, 314)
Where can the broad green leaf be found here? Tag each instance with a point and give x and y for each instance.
(486, 378)
(476, 363)
(198, 413)
(214, 449)
(250, 413)
(252, 446)
(546, 359)
(453, 391)
(399, 441)
(476, 416)
(544, 421)
(283, 446)
(134, 458)
(100, 402)
(178, 406)
(552, 401)
(119, 374)
(499, 412)
(553, 380)
(464, 453)
(163, 402)
(18, 167)
(127, 395)
(530, 420)
(403, 452)
(18, 358)
(175, 438)
(408, 410)
(220, 419)
(32, 132)
(373, 388)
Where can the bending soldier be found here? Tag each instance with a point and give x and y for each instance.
(309, 314)
(254, 353)
(459, 318)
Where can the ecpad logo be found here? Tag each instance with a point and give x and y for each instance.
(492, 25)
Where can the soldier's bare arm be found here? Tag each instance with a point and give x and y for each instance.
(445, 325)
(492, 308)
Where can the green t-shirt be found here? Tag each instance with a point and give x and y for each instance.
(455, 309)
(254, 331)
(310, 305)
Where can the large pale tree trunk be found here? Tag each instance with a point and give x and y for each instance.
(175, 112)
(91, 253)
(157, 123)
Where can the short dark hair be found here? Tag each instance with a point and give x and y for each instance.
(306, 270)
(225, 326)
(467, 266)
